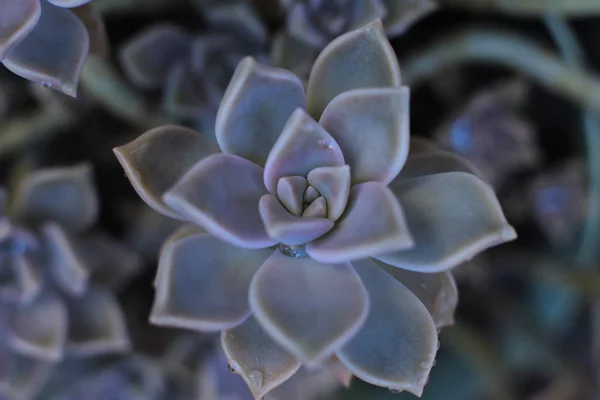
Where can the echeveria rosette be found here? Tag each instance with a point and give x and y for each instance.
(58, 276)
(48, 41)
(193, 70)
(320, 240)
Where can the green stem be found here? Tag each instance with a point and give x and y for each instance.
(531, 7)
(510, 50)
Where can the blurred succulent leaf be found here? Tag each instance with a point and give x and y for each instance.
(202, 283)
(371, 127)
(452, 217)
(396, 347)
(437, 291)
(66, 196)
(64, 264)
(69, 3)
(302, 145)
(365, 11)
(358, 59)
(17, 20)
(54, 52)
(20, 280)
(294, 55)
(255, 108)
(262, 363)
(221, 194)
(189, 94)
(24, 378)
(96, 324)
(402, 14)
(373, 223)
(335, 367)
(309, 308)
(92, 19)
(239, 18)
(155, 161)
(436, 162)
(148, 57)
(420, 145)
(39, 329)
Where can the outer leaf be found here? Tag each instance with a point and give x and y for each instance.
(302, 146)
(54, 53)
(452, 217)
(92, 19)
(203, 283)
(39, 329)
(436, 162)
(148, 57)
(17, 20)
(310, 308)
(396, 347)
(96, 324)
(69, 3)
(66, 196)
(155, 161)
(358, 59)
(372, 128)
(255, 108)
(221, 193)
(262, 363)
(24, 377)
(437, 291)
(21, 281)
(373, 224)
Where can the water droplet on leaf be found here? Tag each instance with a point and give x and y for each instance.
(292, 251)
(46, 85)
(234, 366)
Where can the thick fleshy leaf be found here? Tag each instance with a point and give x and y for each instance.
(436, 162)
(373, 224)
(452, 217)
(148, 57)
(310, 195)
(437, 291)
(155, 161)
(333, 183)
(283, 227)
(20, 280)
(17, 20)
(190, 94)
(307, 384)
(302, 146)
(335, 367)
(397, 345)
(66, 196)
(402, 14)
(109, 261)
(420, 145)
(358, 59)
(292, 54)
(300, 26)
(290, 191)
(65, 264)
(262, 363)
(24, 377)
(69, 3)
(316, 209)
(221, 193)
(54, 52)
(310, 308)
(96, 324)
(371, 127)
(239, 18)
(256, 106)
(92, 19)
(203, 283)
(39, 329)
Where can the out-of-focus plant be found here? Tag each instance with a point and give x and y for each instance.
(57, 278)
(489, 132)
(330, 225)
(193, 70)
(48, 41)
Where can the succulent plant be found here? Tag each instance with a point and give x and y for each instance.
(308, 236)
(56, 278)
(193, 69)
(48, 41)
(490, 132)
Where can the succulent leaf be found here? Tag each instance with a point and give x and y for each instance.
(373, 224)
(255, 108)
(397, 345)
(155, 161)
(290, 191)
(371, 127)
(452, 217)
(54, 52)
(202, 283)
(358, 59)
(308, 307)
(24, 378)
(17, 20)
(69, 3)
(221, 194)
(436, 162)
(333, 183)
(92, 19)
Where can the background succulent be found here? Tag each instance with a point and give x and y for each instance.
(318, 191)
(57, 278)
(48, 41)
